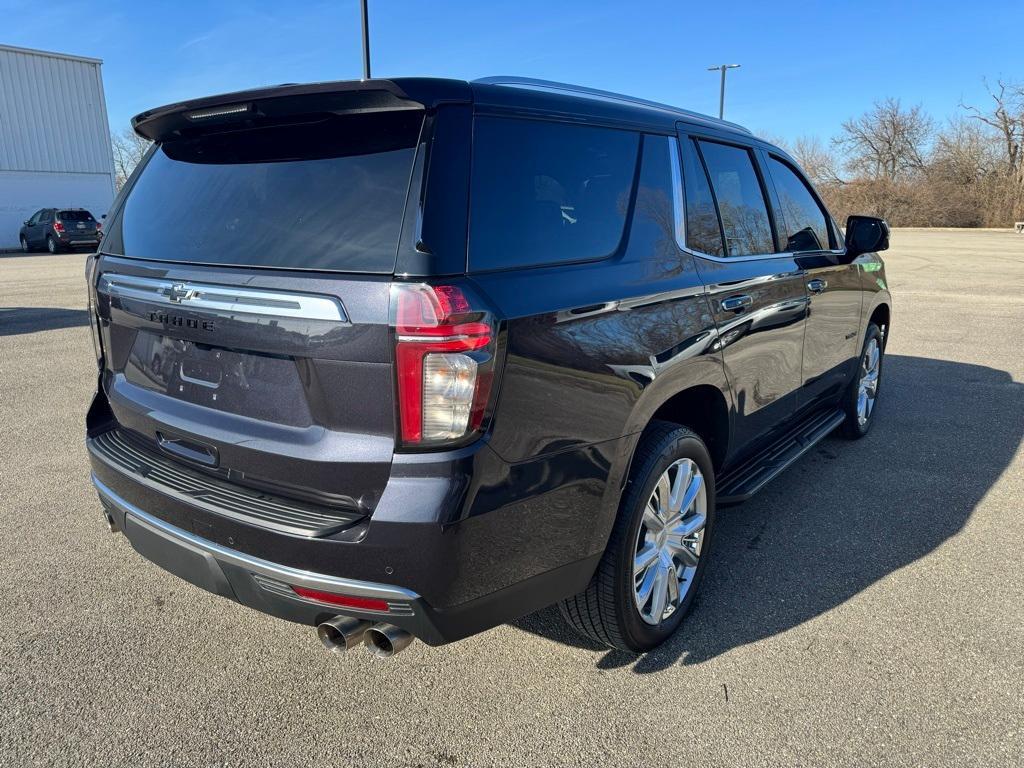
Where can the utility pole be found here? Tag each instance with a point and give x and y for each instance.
(721, 95)
(366, 40)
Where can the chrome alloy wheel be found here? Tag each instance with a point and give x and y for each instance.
(867, 387)
(669, 541)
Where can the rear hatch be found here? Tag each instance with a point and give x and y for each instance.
(79, 225)
(243, 299)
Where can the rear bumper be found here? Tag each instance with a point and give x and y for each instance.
(444, 572)
(252, 581)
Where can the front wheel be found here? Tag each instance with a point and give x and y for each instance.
(25, 248)
(652, 567)
(862, 395)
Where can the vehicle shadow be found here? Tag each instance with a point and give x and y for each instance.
(18, 320)
(846, 515)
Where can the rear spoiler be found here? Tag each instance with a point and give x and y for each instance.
(283, 101)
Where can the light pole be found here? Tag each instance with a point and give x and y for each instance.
(366, 39)
(721, 95)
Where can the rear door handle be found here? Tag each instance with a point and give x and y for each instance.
(736, 303)
(817, 285)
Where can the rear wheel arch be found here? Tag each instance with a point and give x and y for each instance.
(701, 408)
(610, 610)
(704, 410)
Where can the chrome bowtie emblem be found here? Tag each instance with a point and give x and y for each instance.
(179, 292)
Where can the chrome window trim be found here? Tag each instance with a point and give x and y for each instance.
(223, 299)
(679, 205)
(760, 256)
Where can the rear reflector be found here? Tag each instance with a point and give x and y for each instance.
(345, 601)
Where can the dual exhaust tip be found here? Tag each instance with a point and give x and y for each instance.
(343, 633)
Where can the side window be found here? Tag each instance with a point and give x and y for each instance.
(46, 215)
(702, 230)
(35, 217)
(804, 223)
(740, 198)
(545, 192)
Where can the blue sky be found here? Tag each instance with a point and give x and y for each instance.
(806, 66)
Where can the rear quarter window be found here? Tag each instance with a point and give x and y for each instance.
(547, 193)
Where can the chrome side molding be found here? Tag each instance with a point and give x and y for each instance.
(223, 299)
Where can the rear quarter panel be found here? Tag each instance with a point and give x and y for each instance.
(592, 350)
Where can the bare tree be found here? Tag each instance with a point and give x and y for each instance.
(887, 142)
(1005, 119)
(129, 149)
(818, 162)
(963, 153)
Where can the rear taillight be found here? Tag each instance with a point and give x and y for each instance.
(58, 227)
(444, 355)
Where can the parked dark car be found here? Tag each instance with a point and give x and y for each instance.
(57, 229)
(414, 357)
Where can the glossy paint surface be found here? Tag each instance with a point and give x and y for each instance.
(587, 353)
(761, 343)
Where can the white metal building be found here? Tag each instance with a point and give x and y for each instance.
(54, 137)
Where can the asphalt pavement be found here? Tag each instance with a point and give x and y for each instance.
(867, 608)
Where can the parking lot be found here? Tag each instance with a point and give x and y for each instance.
(867, 608)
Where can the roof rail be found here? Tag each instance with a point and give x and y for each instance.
(551, 85)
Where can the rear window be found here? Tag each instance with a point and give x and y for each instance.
(75, 216)
(546, 193)
(324, 195)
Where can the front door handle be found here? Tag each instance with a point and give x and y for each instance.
(736, 303)
(817, 285)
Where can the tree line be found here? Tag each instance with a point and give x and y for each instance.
(899, 163)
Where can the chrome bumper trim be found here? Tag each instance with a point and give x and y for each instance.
(256, 565)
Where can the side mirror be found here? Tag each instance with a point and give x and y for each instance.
(865, 234)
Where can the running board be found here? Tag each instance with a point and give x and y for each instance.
(752, 475)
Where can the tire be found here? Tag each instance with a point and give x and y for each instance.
(25, 247)
(51, 245)
(610, 610)
(867, 382)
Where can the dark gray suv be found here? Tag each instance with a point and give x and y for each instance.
(57, 229)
